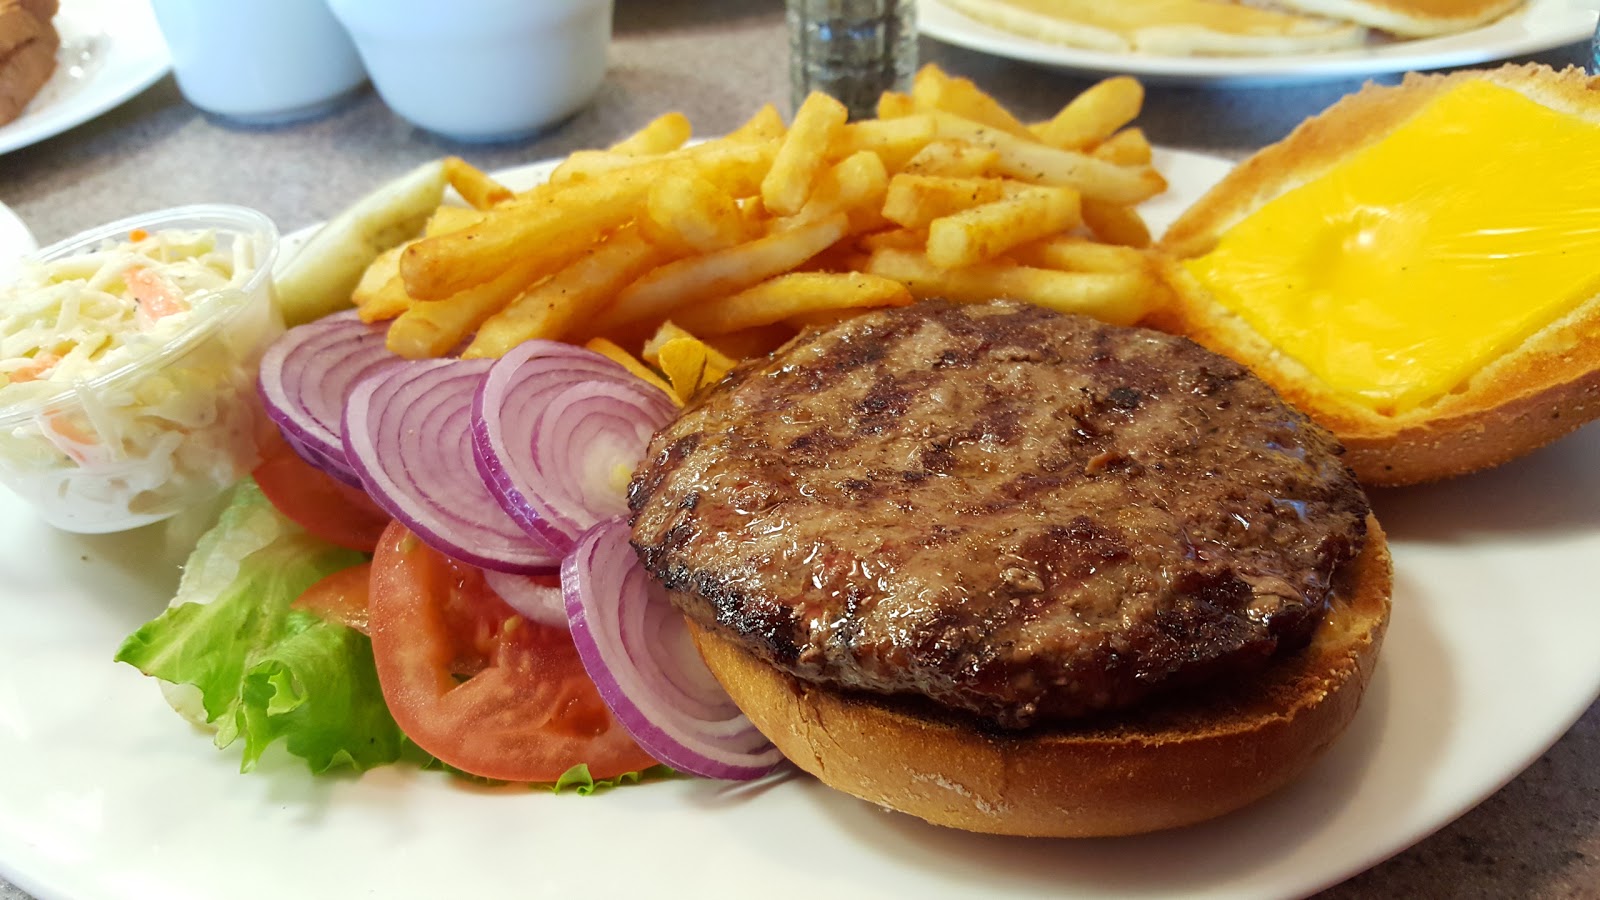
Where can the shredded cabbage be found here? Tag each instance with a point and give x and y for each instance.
(104, 424)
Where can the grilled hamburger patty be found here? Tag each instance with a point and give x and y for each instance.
(1014, 513)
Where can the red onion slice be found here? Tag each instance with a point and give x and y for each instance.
(305, 377)
(406, 433)
(537, 597)
(554, 429)
(637, 649)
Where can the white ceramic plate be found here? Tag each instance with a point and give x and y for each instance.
(1538, 26)
(110, 51)
(105, 794)
(15, 238)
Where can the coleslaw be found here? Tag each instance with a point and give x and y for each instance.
(127, 366)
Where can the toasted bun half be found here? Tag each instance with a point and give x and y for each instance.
(28, 44)
(1544, 388)
(1174, 763)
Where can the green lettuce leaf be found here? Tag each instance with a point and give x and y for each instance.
(265, 672)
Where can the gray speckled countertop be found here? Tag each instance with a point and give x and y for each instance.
(717, 60)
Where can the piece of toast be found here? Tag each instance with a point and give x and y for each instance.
(28, 45)
(1545, 387)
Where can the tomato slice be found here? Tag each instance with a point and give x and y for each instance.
(479, 686)
(340, 597)
(318, 502)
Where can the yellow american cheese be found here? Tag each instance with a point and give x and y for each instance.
(1409, 266)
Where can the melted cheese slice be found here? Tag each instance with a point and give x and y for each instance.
(1405, 269)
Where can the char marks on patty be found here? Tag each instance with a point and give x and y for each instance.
(1016, 514)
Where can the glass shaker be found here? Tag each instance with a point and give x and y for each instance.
(853, 50)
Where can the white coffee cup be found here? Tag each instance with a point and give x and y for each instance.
(481, 70)
(259, 61)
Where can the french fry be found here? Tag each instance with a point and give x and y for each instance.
(777, 299)
(664, 134)
(1120, 298)
(380, 294)
(932, 89)
(1128, 147)
(473, 184)
(628, 361)
(953, 159)
(562, 221)
(984, 232)
(1076, 254)
(913, 201)
(895, 239)
(1041, 164)
(856, 185)
(822, 318)
(893, 105)
(1115, 223)
(895, 141)
(446, 219)
(802, 154)
(672, 331)
(1095, 114)
(585, 165)
(690, 212)
(765, 125)
(751, 341)
(549, 310)
(436, 328)
(661, 292)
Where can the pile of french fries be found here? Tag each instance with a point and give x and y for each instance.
(658, 245)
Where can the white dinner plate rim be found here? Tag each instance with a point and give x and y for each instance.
(1539, 26)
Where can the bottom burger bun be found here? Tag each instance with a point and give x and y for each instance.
(1173, 762)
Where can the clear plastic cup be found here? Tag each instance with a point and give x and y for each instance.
(166, 429)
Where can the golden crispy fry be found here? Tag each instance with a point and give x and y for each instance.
(660, 293)
(664, 134)
(1120, 298)
(380, 294)
(984, 232)
(1095, 114)
(856, 184)
(689, 212)
(1115, 223)
(895, 239)
(561, 221)
(581, 165)
(751, 341)
(822, 318)
(1076, 254)
(632, 364)
(777, 299)
(932, 89)
(802, 154)
(556, 306)
(765, 125)
(473, 184)
(436, 328)
(953, 159)
(687, 365)
(1040, 164)
(544, 235)
(913, 201)
(446, 219)
(895, 141)
(893, 105)
(672, 331)
(1128, 147)
(585, 165)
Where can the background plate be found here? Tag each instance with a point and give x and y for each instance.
(110, 51)
(105, 794)
(1538, 26)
